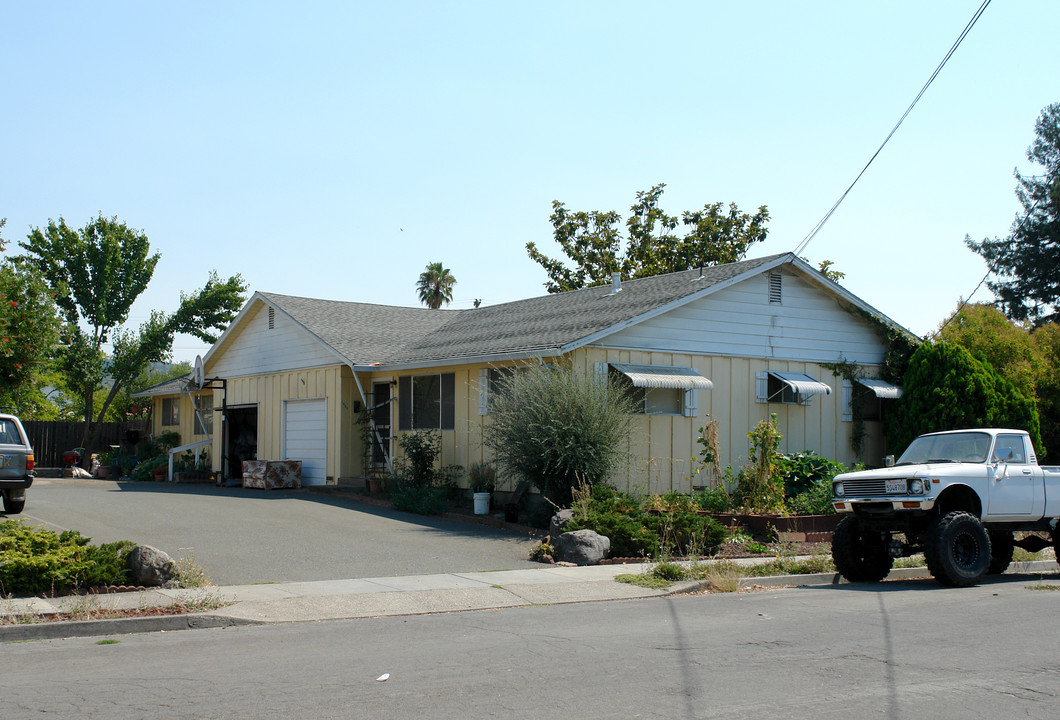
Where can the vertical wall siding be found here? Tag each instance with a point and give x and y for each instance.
(269, 392)
(663, 450)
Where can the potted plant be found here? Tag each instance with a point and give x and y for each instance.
(483, 479)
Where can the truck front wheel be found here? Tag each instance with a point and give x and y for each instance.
(860, 556)
(957, 549)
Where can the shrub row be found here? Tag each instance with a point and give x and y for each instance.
(35, 561)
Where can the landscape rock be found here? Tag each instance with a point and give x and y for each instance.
(149, 566)
(559, 521)
(581, 547)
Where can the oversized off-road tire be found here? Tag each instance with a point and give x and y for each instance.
(957, 549)
(13, 507)
(860, 556)
(1002, 545)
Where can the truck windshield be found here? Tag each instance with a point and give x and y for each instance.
(968, 447)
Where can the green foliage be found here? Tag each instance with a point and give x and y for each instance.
(946, 389)
(715, 499)
(1026, 262)
(96, 273)
(435, 286)
(423, 500)
(799, 472)
(593, 241)
(556, 428)
(672, 527)
(420, 450)
(1028, 357)
(29, 329)
(35, 561)
(814, 500)
(145, 469)
(482, 477)
(758, 486)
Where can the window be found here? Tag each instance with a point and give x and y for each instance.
(864, 398)
(787, 388)
(1014, 443)
(204, 416)
(491, 381)
(427, 402)
(660, 389)
(171, 411)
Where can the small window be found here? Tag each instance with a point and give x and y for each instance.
(651, 400)
(204, 414)
(170, 411)
(780, 392)
(1014, 443)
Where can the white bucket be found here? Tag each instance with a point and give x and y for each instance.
(482, 503)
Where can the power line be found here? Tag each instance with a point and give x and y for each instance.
(820, 223)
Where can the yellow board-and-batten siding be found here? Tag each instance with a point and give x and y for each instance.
(728, 336)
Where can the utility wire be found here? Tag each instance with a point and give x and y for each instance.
(960, 38)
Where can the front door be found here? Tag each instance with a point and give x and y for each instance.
(380, 425)
(242, 433)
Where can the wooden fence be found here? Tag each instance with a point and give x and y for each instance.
(50, 439)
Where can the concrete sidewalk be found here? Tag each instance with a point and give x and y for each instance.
(374, 597)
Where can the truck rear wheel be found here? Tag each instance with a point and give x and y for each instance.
(1002, 546)
(860, 556)
(957, 549)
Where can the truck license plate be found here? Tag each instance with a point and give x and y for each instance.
(894, 487)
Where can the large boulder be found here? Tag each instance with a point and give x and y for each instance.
(149, 566)
(581, 547)
(559, 521)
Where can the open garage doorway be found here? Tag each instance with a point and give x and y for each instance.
(242, 438)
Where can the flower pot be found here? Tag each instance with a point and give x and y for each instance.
(375, 485)
(482, 503)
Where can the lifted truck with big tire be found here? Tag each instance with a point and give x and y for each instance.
(959, 497)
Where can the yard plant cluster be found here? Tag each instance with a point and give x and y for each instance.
(35, 561)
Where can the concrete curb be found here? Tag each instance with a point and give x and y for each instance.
(116, 626)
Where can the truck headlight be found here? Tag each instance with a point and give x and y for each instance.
(916, 487)
(838, 490)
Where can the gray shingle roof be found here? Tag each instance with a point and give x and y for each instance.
(166, 387)
(363, 333)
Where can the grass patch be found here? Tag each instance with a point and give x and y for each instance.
(643, 580)
(1042, 585)
(190, 574)
(107, 642)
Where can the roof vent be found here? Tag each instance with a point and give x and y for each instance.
(616, 282)
(272, 318)
(775, 288)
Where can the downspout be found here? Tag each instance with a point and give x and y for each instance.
(372, 428)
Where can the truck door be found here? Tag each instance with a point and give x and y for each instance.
(1013, 487)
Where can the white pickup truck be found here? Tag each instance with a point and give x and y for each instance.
(956, 496)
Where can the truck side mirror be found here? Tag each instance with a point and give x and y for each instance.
(888, 460)
(1002, 454)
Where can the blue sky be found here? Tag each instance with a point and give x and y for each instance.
(333, 149)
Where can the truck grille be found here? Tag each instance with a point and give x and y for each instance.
(866, 488)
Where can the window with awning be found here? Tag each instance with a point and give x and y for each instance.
(662, 389)
(789, 388)
(867, 396)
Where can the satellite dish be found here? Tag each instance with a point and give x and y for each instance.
(200, 372)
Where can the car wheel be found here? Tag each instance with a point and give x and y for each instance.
(13, 507)
(957, 549)
(860, 556)
(1002, 546)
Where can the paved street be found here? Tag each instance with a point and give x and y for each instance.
(908, 649)
(252, 536)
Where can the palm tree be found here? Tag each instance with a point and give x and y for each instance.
(435, 286)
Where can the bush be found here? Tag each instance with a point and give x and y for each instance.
(815, 500)
(35, 561)
(673, 527)
(420, 449)
(557, 428)
(419, 500)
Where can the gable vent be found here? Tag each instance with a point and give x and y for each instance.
(272, 318)
(775, 288)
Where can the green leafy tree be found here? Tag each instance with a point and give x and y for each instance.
(593, 242)
(946, 388)
(1027, 262)
(435, 286)
(29, 331)
(96, 273)
(557, 428)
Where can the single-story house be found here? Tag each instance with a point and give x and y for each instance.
(292, 377)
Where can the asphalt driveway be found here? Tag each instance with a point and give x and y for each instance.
(242, 536)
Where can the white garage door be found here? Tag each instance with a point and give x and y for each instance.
(305, 438)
